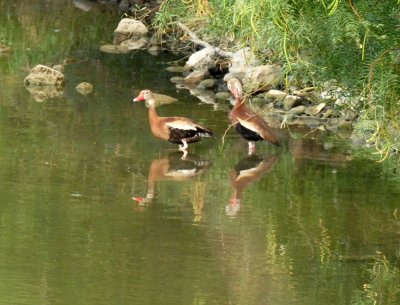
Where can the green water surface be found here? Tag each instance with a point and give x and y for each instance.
(318, 225)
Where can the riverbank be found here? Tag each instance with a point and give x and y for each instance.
(336, 63)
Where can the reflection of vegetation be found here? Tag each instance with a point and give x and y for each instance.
(37, 34)
(383, 286)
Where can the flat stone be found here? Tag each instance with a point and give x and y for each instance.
(114, 49)
(223, 95)
(176, 69)
(298, 110)
(196, 77)
(154, 50)
(327, 113)
(207, 84)
(275, 94)
(315, 109)
(290, 101)
(177, 79)
(162, 99)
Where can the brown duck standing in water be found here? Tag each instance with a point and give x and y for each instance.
(246, 122)
(177, 130)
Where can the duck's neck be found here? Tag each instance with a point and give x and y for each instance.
(239, 103)
(152, 111)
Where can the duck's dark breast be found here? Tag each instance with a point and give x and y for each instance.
(247, 134)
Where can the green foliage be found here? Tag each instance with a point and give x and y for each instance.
(354, 42)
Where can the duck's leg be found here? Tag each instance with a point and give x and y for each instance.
(183, 148)
(252, 148)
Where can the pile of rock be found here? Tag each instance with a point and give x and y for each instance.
(129, 35)
(45, 83)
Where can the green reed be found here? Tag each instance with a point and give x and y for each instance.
(355, 43)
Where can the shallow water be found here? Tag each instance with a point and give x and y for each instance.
(304, 229)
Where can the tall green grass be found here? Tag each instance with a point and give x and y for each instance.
(357, 43)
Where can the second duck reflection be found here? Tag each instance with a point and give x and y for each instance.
(178, 166)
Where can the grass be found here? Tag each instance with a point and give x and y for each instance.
(357, 43)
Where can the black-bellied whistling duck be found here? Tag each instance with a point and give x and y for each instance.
(178, 130)
(172, 167)
(246, 122)
(245, 172)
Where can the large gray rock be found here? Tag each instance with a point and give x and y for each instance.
(44, 76)
(135, 44)
(241, 61)
(261, 78)
(129, 28)
(202, 59)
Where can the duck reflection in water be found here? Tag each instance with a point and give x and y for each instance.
(176, 166)
(246, 172)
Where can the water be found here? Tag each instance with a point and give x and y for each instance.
(305, 230)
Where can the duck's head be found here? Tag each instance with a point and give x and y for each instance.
(235, 87)
(145, 96)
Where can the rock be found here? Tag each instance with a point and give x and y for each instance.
(304, 92)
(224, 95)
(135, 44)
(156, 39)
(84, 88)
(205, 96)
(59, 68)
(327, 114)
(154, 50)
(275, 95)
(241, 61)
(298, 110)
(114, 49)
(196, 76)
(344, 124)
(261, 78)
(43, 93)
(290, 101)
(5, 49)
(129, 28)
(44, 76)
(84, 5)
(315, 109)
(162, 99)
(177, 79)
(207, 84)
(69, 61)
(202, 59)
(176, 69)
